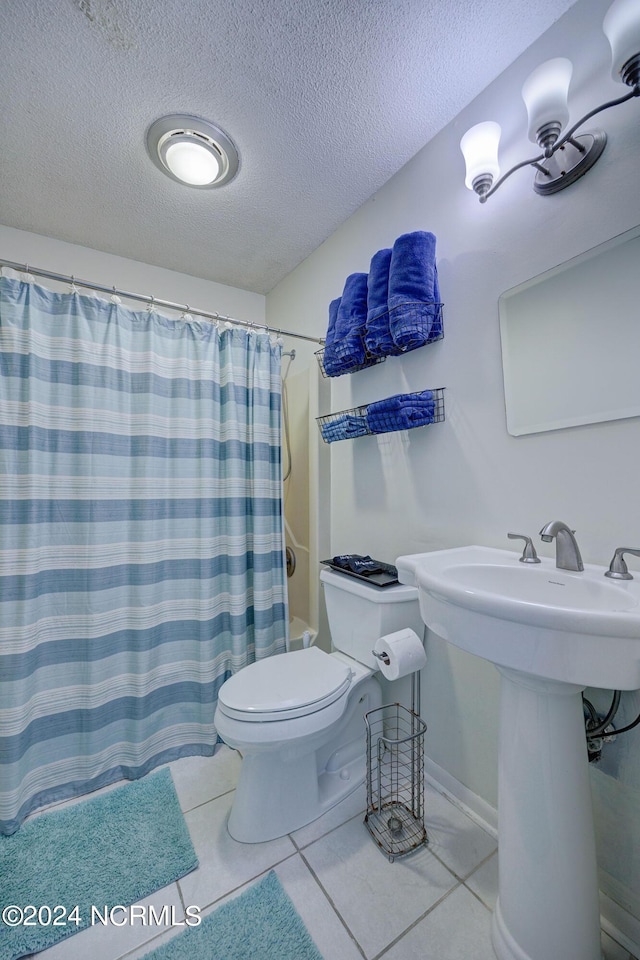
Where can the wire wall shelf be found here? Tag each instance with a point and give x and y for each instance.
(415, 324)
(407, 327)
(395, 779)
(404, 411)
(345, 356)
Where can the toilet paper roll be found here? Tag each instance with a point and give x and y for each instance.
(399, 654)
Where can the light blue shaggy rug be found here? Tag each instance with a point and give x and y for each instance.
(260, 924)
(115, 848)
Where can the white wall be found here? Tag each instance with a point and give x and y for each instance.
(57, 256)
(466, 480)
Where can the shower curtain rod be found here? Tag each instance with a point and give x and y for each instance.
(143, 298)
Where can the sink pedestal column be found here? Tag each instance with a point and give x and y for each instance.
(548, 906)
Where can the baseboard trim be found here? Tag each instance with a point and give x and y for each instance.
(468, 801)
(621, 925)
(617, 922)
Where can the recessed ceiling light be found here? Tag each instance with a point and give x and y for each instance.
(192, 151)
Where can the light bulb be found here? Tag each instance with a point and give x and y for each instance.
(622, 29)
(192, 162)
(545, 93)
(480, 151)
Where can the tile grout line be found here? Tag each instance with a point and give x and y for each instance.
(481, 864)
(181, 896)
(245, 883)
(210, 800)
(478, 898)
(473, 872)
(146, 944)
(418, 920)
(323, 835)
(460, 878)
(459, 882)
(331, 903)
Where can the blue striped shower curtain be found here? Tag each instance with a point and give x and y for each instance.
(141, 558)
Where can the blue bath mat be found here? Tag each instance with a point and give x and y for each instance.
(115, 848)
(261, 923)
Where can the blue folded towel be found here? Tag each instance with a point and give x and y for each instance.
(344, 347)
(378, 283)
(413, 289)
(345, 427)
(378, 340)
(352, 310)
(401, 412)
(331, 360)
(333, 316)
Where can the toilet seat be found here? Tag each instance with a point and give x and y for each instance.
(286, 686)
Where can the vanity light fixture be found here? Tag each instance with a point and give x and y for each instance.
(192, 151)
(565, 156)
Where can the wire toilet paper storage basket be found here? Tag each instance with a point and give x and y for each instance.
(395, 776)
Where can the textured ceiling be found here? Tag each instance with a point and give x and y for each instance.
(325, 100)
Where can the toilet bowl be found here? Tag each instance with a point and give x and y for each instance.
(297, 717)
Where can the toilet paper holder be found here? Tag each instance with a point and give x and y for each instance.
(382, 656)
(395, 773)
(399, 654)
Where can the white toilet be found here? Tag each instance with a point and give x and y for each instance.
(297, 718)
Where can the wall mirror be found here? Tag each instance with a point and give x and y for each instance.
(571, 341)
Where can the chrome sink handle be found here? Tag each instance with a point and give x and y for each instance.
(618, 569)
(529, 554)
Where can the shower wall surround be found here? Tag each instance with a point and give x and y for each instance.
(471, 482)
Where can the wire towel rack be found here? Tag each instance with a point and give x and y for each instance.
(355, 422)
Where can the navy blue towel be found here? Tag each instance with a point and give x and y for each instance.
(378, 340)
(331, 359)
(365, 566)
(413, 289)
(352, 312)
(344, 428)
(348, 341)
(333, 316)
(401, 412)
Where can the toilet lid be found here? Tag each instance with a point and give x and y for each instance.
(285, 686)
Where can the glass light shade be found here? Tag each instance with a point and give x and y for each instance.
(545, 93)
(480, 151)
(192, 151)
(192, 162)
(621, 26)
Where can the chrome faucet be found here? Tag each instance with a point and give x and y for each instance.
(567, 552)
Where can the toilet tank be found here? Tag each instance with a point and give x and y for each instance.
(359, 613)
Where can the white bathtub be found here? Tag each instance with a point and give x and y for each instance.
(297, 628)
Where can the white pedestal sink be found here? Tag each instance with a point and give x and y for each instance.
(550, 633)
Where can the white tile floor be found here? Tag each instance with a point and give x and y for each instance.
(432, 905)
